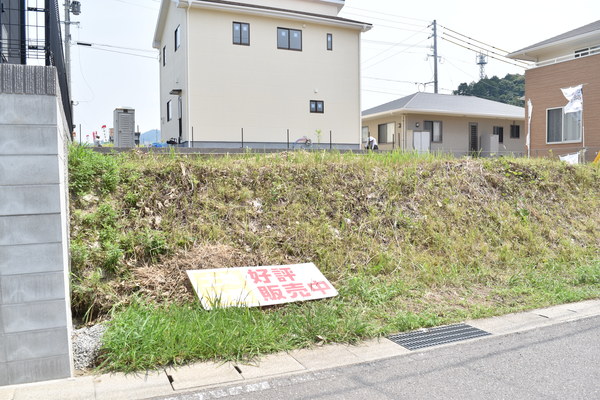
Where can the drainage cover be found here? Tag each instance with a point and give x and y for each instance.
(436, 336)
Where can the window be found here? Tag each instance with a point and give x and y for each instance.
(177, 37)
(587, 51)
(515, 131)
(435, 127)
(365, 133)
(241, 33)
(329, 41)
(164, 55)
(385, 132)
(563, 127)
(290, 39)
(169, 111)
(499, 130)
(317, 106)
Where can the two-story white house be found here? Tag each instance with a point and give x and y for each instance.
(259, 73)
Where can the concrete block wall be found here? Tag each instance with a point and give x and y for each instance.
(35, 320)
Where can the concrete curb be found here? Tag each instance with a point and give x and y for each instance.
(174, 381)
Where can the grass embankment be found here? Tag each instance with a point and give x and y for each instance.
(408, 242)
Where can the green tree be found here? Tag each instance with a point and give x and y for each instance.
(509, 90)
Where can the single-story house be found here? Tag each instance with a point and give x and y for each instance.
(461, 125)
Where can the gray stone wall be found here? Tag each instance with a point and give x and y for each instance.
(35, 321)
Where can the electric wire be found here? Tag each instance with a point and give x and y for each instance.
(88, 44)
(122, 52)
(525, 65)
(137, 5)
(477, 51)
(386, 14)
(385, 20)
(470, 38)
(393, 55)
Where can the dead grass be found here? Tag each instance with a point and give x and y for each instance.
(477, 236)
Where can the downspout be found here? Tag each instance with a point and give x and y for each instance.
(187, 72)
(359, 92)
(403, 132)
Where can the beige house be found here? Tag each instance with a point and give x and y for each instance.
(567, 60)
(259, 73)
(428, 122)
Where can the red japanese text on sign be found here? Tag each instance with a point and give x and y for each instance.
(284, 274)
(260, 285)
(295, 289)
(322, 287)
(260, 275)
(272, 292)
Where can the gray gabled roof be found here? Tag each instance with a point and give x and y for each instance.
(445, 104)
(564, 37)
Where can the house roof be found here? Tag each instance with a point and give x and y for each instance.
(253, 8)
(576, 36)
(445, 104)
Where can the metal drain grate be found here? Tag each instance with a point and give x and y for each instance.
(436, 336)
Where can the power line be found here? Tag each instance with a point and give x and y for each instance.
(396, 44)
(391, 47)
(470, 38)
(387, 14)
(137, 5)
(380, 91)
(481, 81)
(88, 44)
(386, 20)
(390, 80)
(477, 51)
(395, 54)
(484, 49)
(119, 52)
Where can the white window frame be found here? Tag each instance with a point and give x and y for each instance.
(562, 130)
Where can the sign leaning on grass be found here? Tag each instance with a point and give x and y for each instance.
(259, 286)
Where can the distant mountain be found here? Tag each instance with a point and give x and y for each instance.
(150, 137)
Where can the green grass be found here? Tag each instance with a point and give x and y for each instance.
(408, 241)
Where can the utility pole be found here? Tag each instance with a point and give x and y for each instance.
(435, 58)
(75, 8)
(68, 42)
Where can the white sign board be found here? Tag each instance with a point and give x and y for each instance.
(259, 286)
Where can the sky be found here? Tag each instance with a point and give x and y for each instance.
(122, 69)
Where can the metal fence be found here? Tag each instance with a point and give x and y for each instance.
(30, 34)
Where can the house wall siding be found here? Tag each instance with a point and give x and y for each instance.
(265, 90)
(542, 86)
(173, 75)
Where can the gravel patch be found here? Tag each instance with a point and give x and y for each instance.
(86, 343)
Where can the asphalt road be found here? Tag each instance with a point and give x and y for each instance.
(555, 362)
